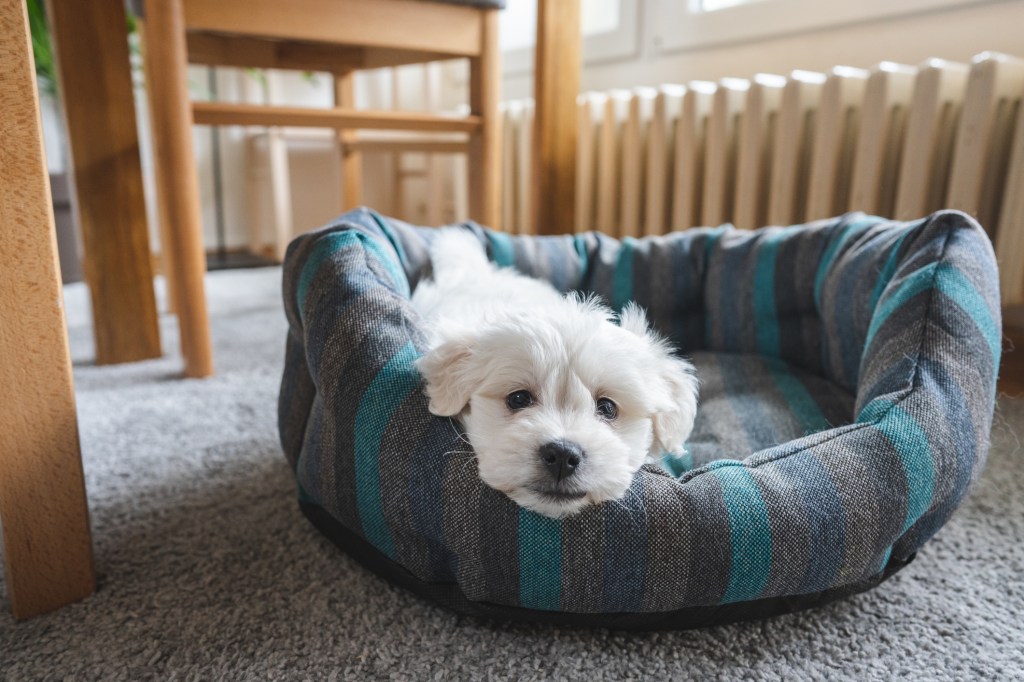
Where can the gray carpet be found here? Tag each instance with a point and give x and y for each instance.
(207, 570)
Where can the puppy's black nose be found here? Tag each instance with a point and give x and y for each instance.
(561, 457)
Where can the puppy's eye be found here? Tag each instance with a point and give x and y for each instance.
(607, 409)
(518, 400)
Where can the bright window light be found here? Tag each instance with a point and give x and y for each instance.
(518, 25)
(599, 16)
(715, 5)
(519, 21)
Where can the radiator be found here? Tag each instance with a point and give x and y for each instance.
(896, 140)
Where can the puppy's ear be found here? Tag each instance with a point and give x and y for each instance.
(633, 319)
(446, 369)
(677, 406)
(676, 402)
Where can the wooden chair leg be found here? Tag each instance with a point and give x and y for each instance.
(166, 265)
(556, 84)
(485, 145)
(351, 159)
(47, 548)
(96, 90)
(177, 184)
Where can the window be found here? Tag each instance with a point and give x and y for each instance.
(690, 24)
(715, 5)
(609, 30)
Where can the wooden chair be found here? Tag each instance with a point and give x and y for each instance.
(269, 165)
(336, 36)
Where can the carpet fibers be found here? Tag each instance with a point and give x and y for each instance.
(207, 570)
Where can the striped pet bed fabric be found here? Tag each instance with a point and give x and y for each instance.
(848, 373)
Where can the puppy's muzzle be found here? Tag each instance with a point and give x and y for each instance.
(562, 458)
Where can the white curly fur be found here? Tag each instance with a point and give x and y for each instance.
(495, 331)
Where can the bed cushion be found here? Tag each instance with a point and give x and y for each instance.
(848, 372)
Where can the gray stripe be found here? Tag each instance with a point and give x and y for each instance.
(346, 372)
(669, 536)
(835, 402)
(295, 400)
(709, 563)
(865, 495)
(583, 545)
(499, 531)
(799, 325)
(718, 430)
(461, 506)
(439, 448)
(412, 422)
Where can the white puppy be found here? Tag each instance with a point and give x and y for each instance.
(561, 405)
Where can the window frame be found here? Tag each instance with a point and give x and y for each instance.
(693, 28)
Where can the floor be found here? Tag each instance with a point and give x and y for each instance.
(208, 570)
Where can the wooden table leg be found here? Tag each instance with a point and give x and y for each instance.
(177, 185)
(485, 145)
(556, 84)
(47, 548)
(96, 90)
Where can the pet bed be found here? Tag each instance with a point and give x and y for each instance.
(848, 373)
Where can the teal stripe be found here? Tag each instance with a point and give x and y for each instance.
(952, 283)
(502, 251)
(579, 242)
(390, 261)
(956, 286)
(750, 533)
(803, 406)
(332, 243)
(915, 454)
(622, 280)
(714, 235)
(765, 315)
(389, 389)
(921, 280)
(389, 232)
(885, 559)
(540, 561)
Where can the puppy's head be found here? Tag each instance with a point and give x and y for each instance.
(562, 407)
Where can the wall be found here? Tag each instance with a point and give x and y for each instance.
(954, 34)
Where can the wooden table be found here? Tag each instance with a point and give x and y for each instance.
(47, 548)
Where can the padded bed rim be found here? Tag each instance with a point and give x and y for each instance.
(450, 596)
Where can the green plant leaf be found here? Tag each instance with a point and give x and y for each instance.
(42, 47)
